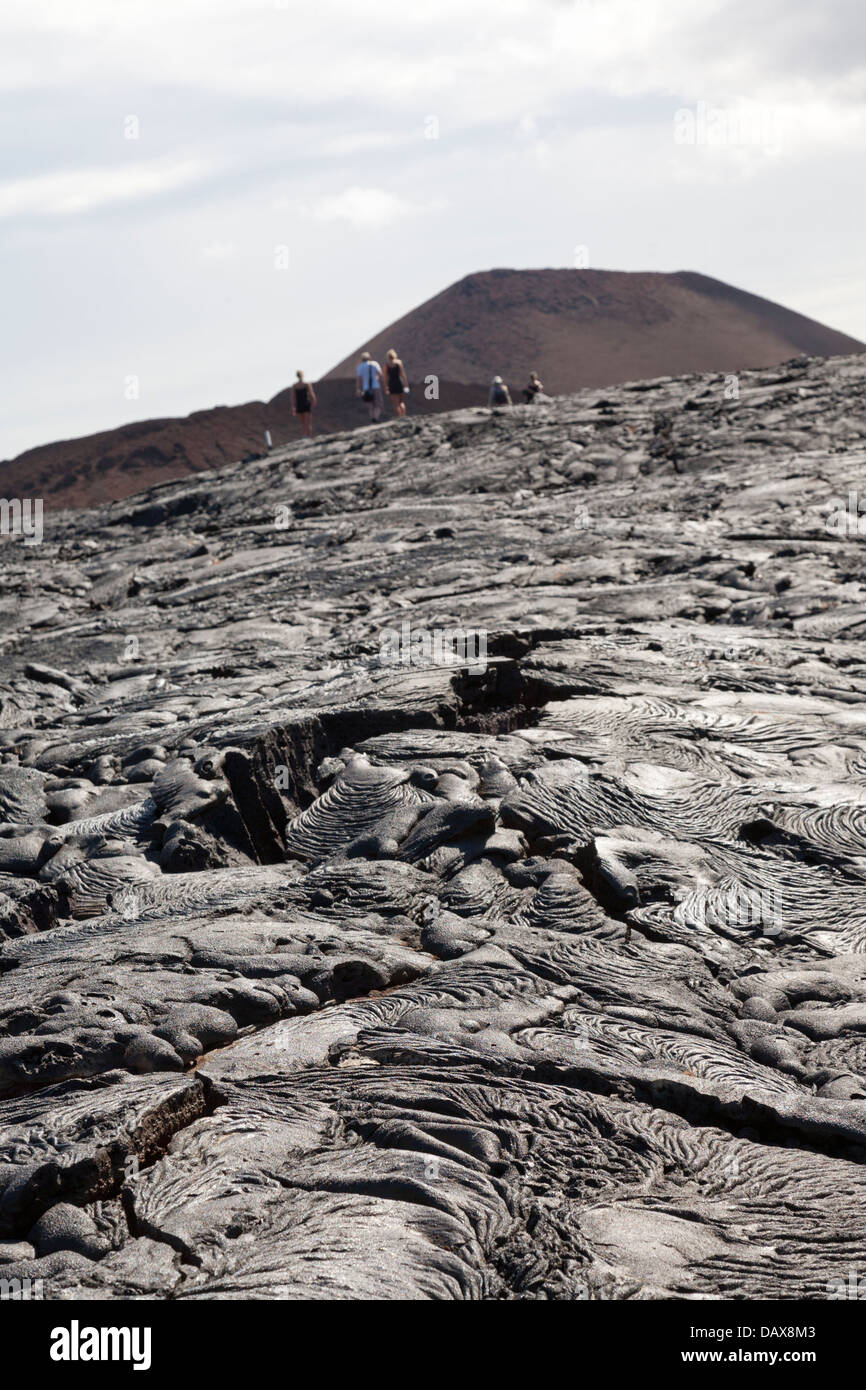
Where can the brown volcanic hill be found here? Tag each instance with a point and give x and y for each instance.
(575, 327)
(595, 328)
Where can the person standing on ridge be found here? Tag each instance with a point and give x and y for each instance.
(499, 393)
(368, 384)
(398, 382)
(303, 403)
(534, 388)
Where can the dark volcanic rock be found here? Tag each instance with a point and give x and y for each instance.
(334, 967)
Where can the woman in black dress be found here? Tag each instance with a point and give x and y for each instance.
(303, 403)
(398, 382)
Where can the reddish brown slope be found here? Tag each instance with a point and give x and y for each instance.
(118, 462)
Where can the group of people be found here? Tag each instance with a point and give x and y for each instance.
(371, 383)
(499, 393)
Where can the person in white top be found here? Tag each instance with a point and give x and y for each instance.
(368, 384)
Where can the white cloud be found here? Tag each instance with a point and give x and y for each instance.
(219, 251)
(369, 209)
(68, 193)
(480, 59)
(366, 141)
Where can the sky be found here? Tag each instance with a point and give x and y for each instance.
(198, 197)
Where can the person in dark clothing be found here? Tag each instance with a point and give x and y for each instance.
(499, 393)
(534, 388)
(303, 403)
(398, 382)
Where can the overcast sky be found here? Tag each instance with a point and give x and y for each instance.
(157, 155)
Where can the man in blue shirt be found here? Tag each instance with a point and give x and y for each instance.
(368, 384)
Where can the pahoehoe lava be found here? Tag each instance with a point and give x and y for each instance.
(545, 977)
